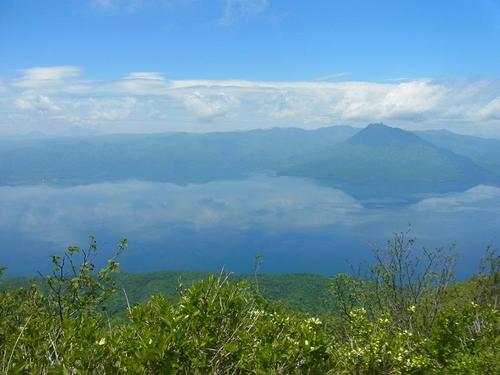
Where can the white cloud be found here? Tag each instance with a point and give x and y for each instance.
(105, 109)
(32, 101)
(325, 102)
(480, 197)
(397, 101)
(139, 83)
(46, 77)
(209, 107)
(155, 103)
(155, 76)
(491, 111)
(91, 111)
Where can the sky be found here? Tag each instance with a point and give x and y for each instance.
(110, 66)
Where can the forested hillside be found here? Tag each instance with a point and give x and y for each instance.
(306, 293)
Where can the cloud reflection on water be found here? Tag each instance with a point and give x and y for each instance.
(289, 213)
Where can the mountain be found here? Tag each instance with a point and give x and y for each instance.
(380, 135)
(173, 157)
(483, 151)
(381, 161)
(376, 162)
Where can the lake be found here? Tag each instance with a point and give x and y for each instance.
(295, 224)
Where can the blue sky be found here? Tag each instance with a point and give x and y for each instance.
(201, 65)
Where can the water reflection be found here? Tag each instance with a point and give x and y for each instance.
(298, 225)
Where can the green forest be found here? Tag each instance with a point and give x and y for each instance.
(403, 314)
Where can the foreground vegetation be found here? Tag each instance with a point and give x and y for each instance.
(306, 293)
(401, 316)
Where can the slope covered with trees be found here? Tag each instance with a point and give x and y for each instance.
(307, 293)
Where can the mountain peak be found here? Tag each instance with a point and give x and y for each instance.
(382, 135)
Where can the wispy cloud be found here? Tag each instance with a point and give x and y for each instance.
(133, 6)
(128, 5)
(237, 9)
(332, 76)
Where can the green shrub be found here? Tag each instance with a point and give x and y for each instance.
(221, 326)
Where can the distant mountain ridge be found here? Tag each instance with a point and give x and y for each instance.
(381, 161)
(171, 157)
(483, 151)
(377, 161)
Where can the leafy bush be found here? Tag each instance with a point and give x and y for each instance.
(222, 326)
